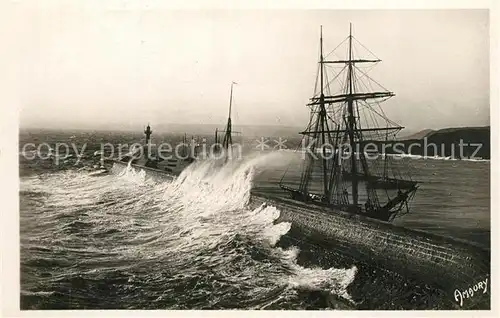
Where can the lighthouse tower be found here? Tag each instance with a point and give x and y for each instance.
(148, 132)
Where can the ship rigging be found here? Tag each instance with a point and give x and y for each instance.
(227, 141)
(343, 122)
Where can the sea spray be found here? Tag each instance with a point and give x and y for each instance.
(147, 241)
(210, 188)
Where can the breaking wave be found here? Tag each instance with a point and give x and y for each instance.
(125, 240)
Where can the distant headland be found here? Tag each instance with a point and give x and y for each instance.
(475, 140)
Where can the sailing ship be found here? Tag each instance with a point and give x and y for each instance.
(341, 122)
(227, 141)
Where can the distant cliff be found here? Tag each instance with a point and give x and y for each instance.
(419, 135)
(446, 142)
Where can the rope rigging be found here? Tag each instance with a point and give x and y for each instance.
(349, 114)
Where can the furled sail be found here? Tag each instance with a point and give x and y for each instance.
(346, 116)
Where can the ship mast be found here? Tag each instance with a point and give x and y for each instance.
(228, 140)
(322, 118)
(352, 122)
(347, 124)
(321, 133)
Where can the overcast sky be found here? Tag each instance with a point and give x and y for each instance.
(91, 68)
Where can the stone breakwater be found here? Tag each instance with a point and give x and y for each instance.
(151, 172)
(446, 262)
(435, 259)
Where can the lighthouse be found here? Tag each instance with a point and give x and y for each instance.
(148, 133)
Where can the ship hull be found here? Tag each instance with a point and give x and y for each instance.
(449, 263)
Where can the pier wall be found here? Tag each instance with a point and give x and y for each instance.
(450, 263)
